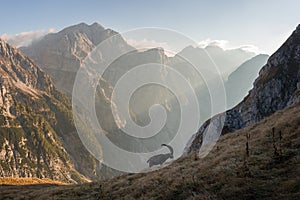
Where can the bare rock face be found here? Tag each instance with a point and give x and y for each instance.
(276, 87)
(35, 122)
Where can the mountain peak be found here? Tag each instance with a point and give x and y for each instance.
(214, 47)
(73, 44)
(83, 28)
(298, 27)
(5, 49)
(96, 25)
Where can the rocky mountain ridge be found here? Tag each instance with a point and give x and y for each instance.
(276, 87)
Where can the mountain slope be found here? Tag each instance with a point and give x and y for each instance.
(225, 173)
(36, 122)
(274, 89)
(240, 81)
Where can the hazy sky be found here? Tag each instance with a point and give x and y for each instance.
(263, 23)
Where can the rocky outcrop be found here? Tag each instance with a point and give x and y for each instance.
(296, 96)
(276, 87)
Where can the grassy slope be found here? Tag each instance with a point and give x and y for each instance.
(226, 173)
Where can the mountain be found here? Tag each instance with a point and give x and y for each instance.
(276, 87)
(37, 135)
(61, 54)
(240, 81)
(210, 57)
(189, 62)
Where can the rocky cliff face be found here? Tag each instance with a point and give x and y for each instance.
(36, 123)
(276, 87)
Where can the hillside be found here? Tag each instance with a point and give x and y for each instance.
(270, 171)
(36, 124)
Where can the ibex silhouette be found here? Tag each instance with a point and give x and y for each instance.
(161, 158)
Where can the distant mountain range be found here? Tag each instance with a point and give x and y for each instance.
(60, 55)
(212, 57)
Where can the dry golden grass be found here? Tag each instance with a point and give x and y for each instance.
(28, 181)
(271, 171)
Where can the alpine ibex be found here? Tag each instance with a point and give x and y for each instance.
(161, 158)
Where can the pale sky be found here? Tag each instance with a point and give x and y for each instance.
(262, 23)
